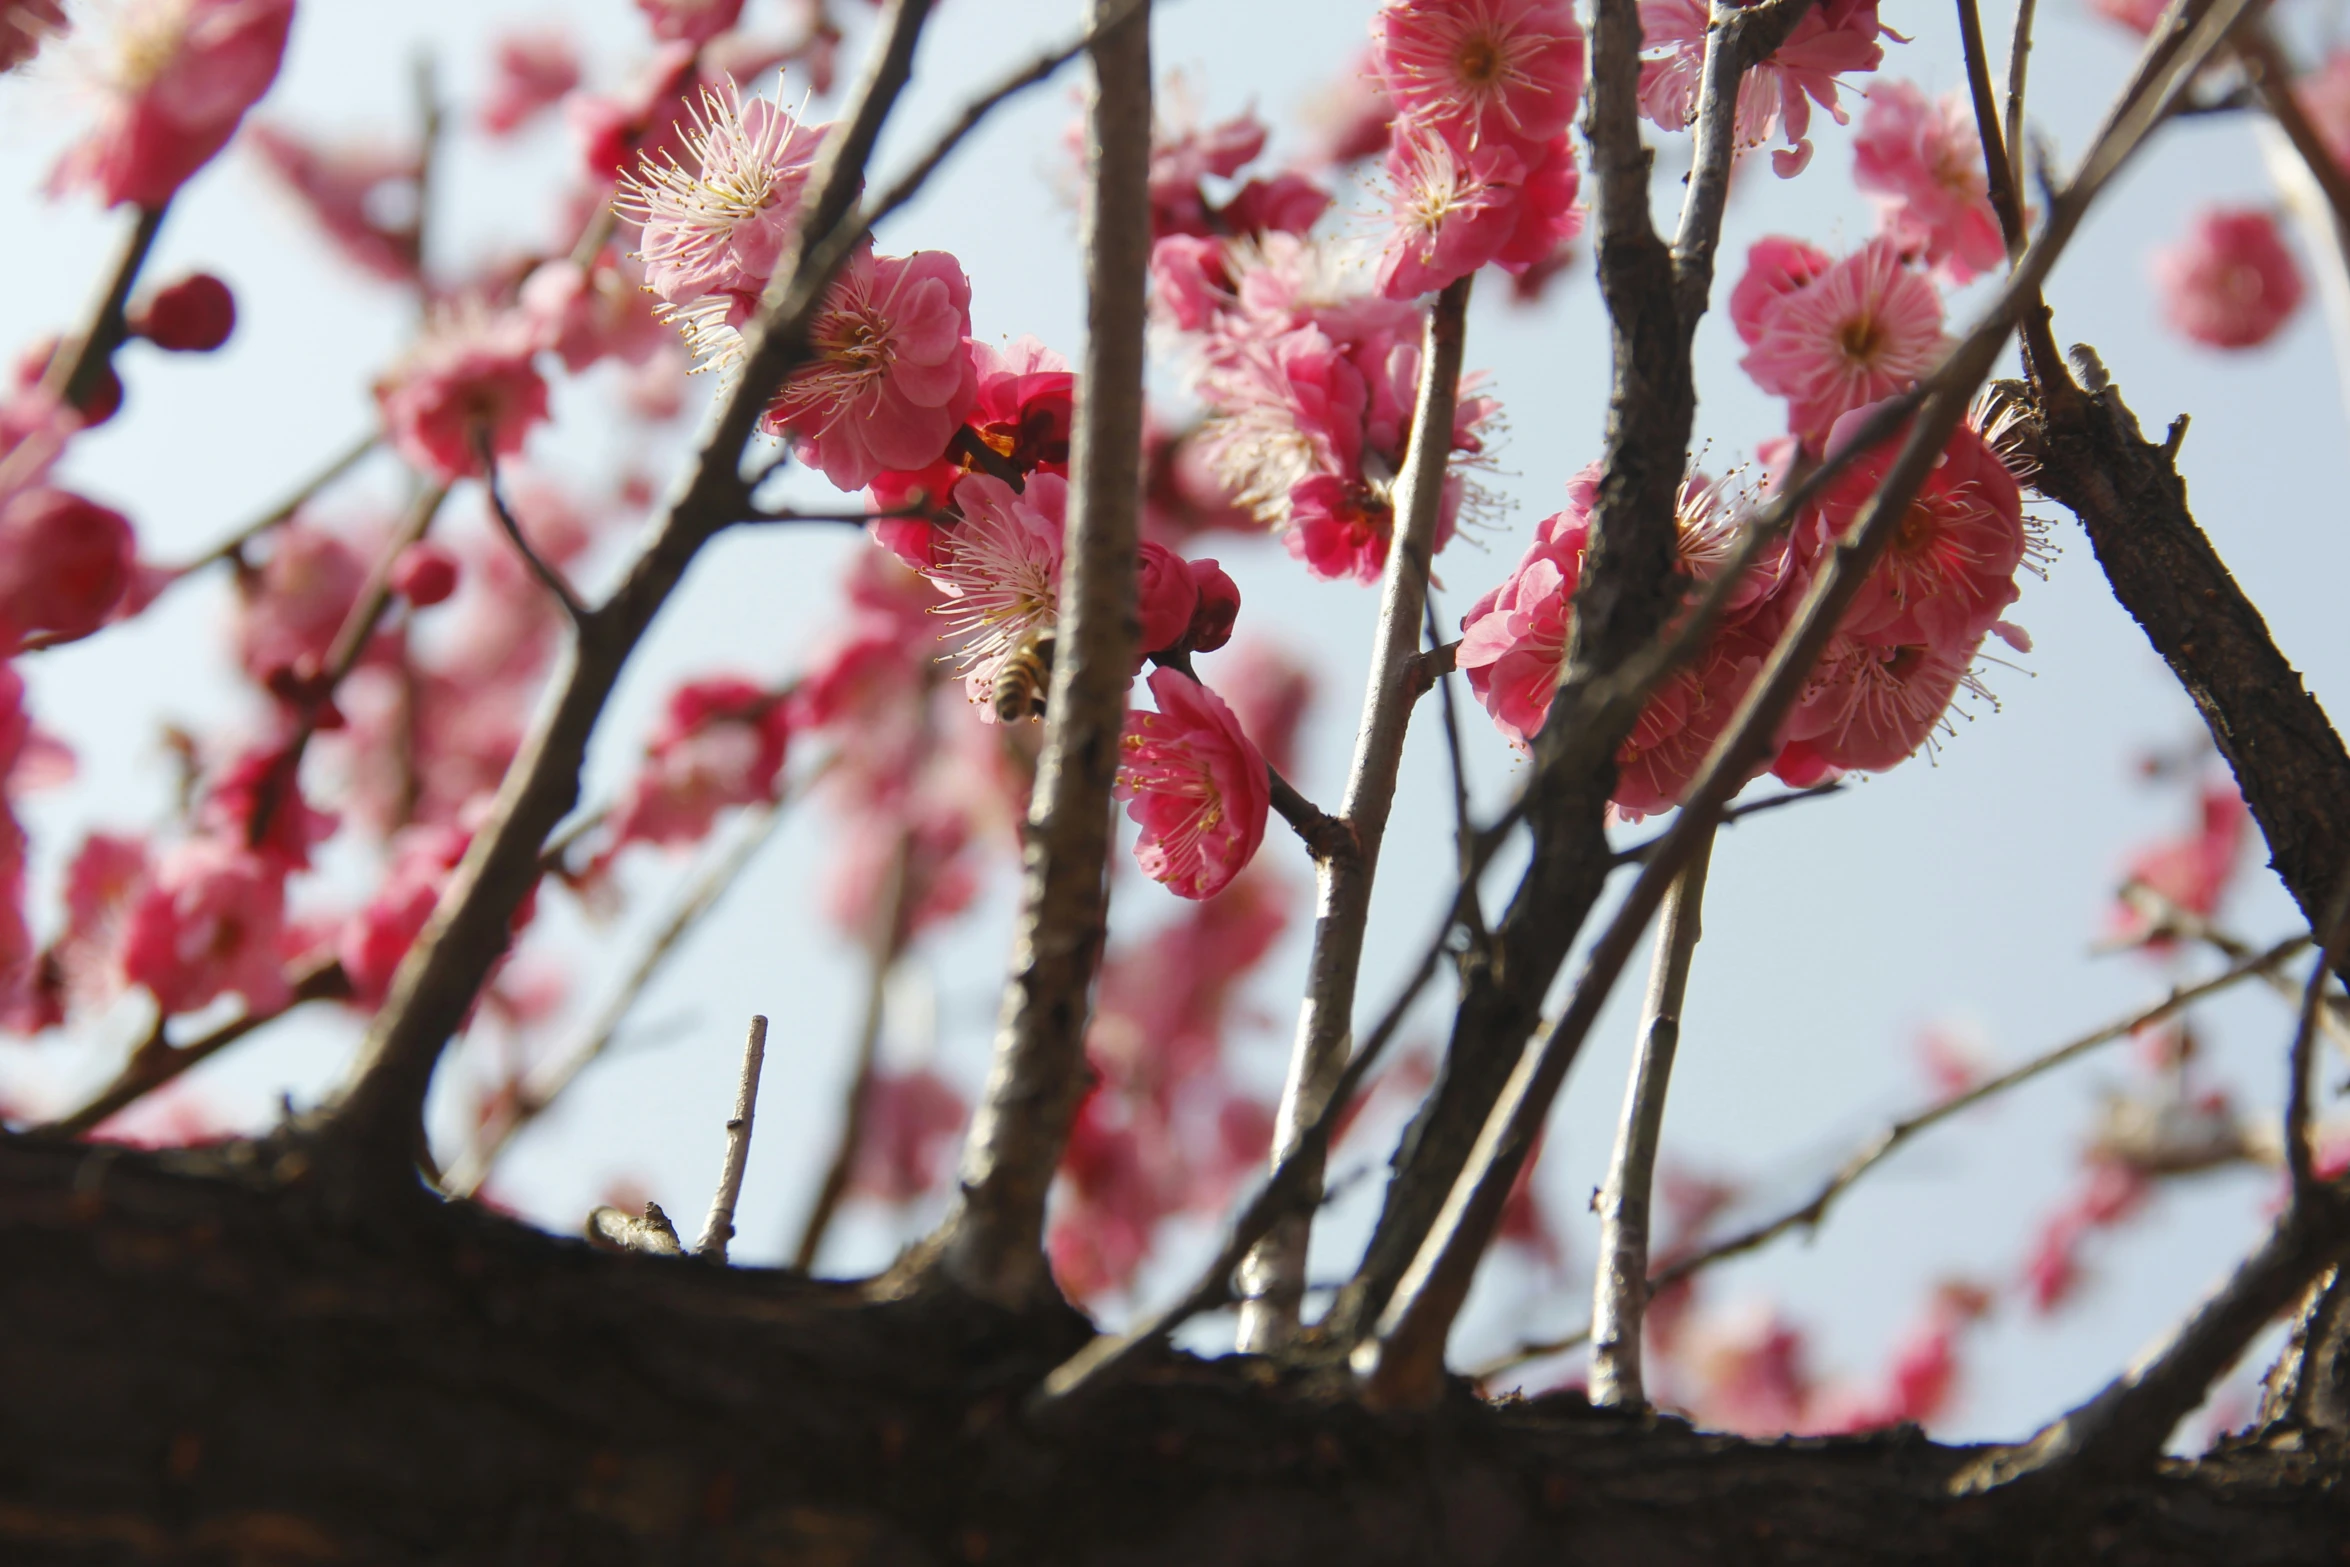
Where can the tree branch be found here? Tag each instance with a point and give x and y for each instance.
(1273, 1279)
(718, 1229)
(2332, 937)
(74, 373)
(369, 1135)
(993, 1243)
(540, 567)
(1620, 1293)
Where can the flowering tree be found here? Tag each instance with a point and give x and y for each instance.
(325, 1341)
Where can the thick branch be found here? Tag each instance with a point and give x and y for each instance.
(1620, 1293)
(993, 1244)
(1273, 1281)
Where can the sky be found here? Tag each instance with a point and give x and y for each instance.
(1964, 891)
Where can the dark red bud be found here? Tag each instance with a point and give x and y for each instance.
(425, 574)
(1219, 607)
(193, 316)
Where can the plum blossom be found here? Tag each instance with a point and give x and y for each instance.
(893, 375)
(2192, 870)
(65, 565)
(1195, 785)
(181, 74)
(289, 610)
(208, 923)
(715, 223)
(588, 314)
(530, 70)
(1514, 639)
(1183, 155)
(721, 743)
(24, 26)
(257, 802)
(2230, 282)
(1676, 731)
(1349, 117)
(1022, 413)
(1922, 163)
(1869, 706)
(374, 940)
(911, 1119)
(1949, 569)
(1776, 267)
(1475, 70)
(1000, 568)
(470, 377)
(362, 195)
(690, 21)
(1165, 598)
(2139, 16)
(1778, 94)
(1858, 332)
(1455, 210)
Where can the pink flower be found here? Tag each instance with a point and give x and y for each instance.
(1477, 70)
(1027, 398)
(1870, 706)
(1677, 730)
(1195, 785)
(911, 1120)
(1165, 597)
(691, 21)
(1861, 331)
(2325, 98)
(530, 71)
(1455, 211)
(1950, 568)
(470, 376)
(192, 316)
(289, 611)
(721, 743)
(1833, 38)
(1775, 267)
(893, 375)
(2230, 282)
(1286, 204)
(588, 314)
(651, 116)
(2139, 16)
(425, 574)
(373, 941)
(24, 24)
(65, 564)
(1000, 568)
(360, 194)
(183, 74)
(1348, 118)
(1216, 606)
(1923, 164)
(208, 923)
(1185, 155)
(258, 789)
(2195, 869)
(1514, 639)
(716, 223)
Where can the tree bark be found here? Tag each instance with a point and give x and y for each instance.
(204, 1367)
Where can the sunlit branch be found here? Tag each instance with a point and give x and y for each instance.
(718, 1229)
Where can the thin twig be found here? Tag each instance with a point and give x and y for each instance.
(700, 895)
(1273, 1279)
(73, 375)
(885, 943)
(1403, 1364)
(1999, 170)
(157, 1061)
(2019, 57)
(1464, 830)
(1620, 1293)
(1325, 836)
(367, 1138)
(2272, 80)
(1633, 854)
(718, 1229)
(993, 1243)
(540, 567)
(2168, 919)
(1813, 1210)
(233, 547)
(2335, 936)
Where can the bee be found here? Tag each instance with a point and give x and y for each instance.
(1027, 670)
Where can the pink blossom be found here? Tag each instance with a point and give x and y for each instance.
(1027, 398)
(1454, 211)
(24, 25)
(691, 21)
(1923, 164)
(1184, 156)
(207, 923)
(373, 941)
(1777, 95)
(182, 75)
(425, 574)
(893, 376)
(2230, 282)
(470, 377)
(65, 564)
(588, 314)
(1514, 639)
(716, 222)
(2325, 97)
(1195, 785)
(1861, 331)
(1479, 70)
(192, 316)
(257, 802)
(1676, 731)
(361, 195)
(911, 1121)
(1349, 117)
(651, 117)
(933, 824)
(1270, 692)
(720, 743)
(1189, 281)
(2112, 1193)
(530, 70)
(1950, 567)
(1776, 267)
(1869, 706)
(2139, 16)
(1164, 596)
(289, 611)
(1000, 568)
(1286, 203)
(2195, 869)
(1215, 607)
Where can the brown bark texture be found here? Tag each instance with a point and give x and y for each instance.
(203, 1365)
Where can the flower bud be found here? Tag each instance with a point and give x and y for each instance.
(1166, 597)
(425, 574)
(1217, 609)
(193, 316)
